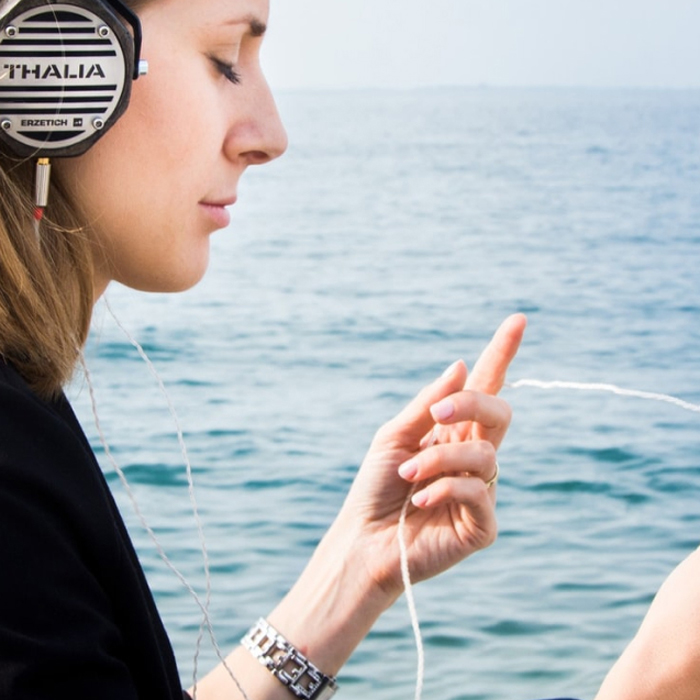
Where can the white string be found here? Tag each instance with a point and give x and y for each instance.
(612, 388)
(203, 606)
(408, 591)
(406, 580)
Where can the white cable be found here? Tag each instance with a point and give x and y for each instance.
(582, 386)
(203, 606)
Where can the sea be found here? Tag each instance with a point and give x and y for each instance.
(397, 232)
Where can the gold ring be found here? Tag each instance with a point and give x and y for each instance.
(494, 478)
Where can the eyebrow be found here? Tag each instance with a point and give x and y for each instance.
(257, 28)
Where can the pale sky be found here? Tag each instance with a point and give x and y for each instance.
(410, 43)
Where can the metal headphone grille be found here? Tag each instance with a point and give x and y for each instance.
(63, 74)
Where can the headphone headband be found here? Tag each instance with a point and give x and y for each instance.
(6, 6)
(66, 68)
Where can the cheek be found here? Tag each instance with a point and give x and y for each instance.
(173, 109)
(135, 169)
(140, 185)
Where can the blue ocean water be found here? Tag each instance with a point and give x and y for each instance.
(393, 237)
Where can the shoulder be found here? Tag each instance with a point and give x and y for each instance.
(76, 619)
(54, 505)
(50, 483)
(45, 460)
(663, 660)
(23, 414)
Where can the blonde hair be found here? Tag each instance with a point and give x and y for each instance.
(46, 286)
(46, 283)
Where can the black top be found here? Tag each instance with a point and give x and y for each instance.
(77, 619)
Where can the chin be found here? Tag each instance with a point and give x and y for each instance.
(167, 281)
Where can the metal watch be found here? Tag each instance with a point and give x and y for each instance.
(287, 663)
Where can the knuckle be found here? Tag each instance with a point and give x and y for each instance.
(470, 403)
(384, 431)
(487, 452)
(389, 432)
(505, 412)
(491, 535)
(490, 527)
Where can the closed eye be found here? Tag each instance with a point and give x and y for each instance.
(226, 69)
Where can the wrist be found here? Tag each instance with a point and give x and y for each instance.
(334, 603)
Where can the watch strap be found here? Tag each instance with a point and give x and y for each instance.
(287, 663)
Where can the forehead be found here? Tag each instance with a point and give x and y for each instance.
(196, 13)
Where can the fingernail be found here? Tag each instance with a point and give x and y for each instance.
(451, 369)
(420, 500)
(408, 469)
(443, 409)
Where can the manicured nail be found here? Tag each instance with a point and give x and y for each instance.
(408, 469)
(420, 500)
(443, 409)
(451, 369)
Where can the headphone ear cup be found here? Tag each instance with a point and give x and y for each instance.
(65, 75)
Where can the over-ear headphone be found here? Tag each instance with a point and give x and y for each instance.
(66, 68)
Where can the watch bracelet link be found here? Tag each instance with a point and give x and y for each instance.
(287, 663)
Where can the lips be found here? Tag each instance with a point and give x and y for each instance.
(223, 202)
(216, 210)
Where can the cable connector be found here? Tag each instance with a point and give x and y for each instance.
(42, 180)
(41, 183)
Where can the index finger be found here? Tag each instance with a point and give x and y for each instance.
(489, 373)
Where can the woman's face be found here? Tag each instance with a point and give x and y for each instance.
(156, 185)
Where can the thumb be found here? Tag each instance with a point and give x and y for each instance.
(414, 421)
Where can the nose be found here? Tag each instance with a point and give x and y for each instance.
(256, 134)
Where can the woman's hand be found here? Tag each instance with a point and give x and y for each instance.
(443, 445)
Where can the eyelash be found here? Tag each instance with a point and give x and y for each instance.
(226, 69)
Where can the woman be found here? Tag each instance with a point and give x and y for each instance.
(76, 616)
